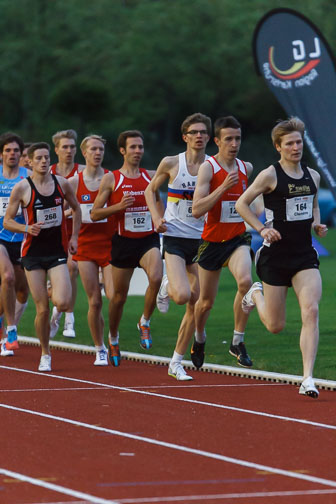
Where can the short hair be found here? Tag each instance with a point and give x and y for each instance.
(196, 118)
(27, 145)
(225, 122)
(283, 128)
(91, 137)
(57, 137)
(122, 138)
(36, 146)
(10, 137)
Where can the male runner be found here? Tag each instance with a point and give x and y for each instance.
(45, 245)
(14, 287)
(135, 243)
(94, 241)
(65, 148)
(221, 180)
(181, 231)
(287, 257)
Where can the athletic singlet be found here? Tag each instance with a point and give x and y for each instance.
(6, 187)
(222, 221)
(178, 215)
(97, 234)
(289, 209)
(74, 171)
(52, 239)
(135, 221)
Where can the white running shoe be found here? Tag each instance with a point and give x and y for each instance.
(177, 371)
(69, 331)
(4, 351)
(101, 358)
(45, 363)
(247, 303)
(162, 299)
(54, 322)
(308, 388)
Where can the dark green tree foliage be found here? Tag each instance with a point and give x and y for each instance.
(111, 65)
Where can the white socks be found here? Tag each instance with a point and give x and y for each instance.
(238, 337)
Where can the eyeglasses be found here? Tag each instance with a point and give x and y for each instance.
(195, 132)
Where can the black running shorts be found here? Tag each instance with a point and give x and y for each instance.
(127, 252)
(183, 247)
(213, 256)
(45, 263)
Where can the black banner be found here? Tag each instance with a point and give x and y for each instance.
(299, 68)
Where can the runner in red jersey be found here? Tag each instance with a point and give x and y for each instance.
(94, 241)
(221, 180)
(135, 244)
(44, 249)
(65, 148)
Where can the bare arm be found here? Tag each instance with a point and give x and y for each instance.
(203, 201)
(264, 183)
(70, 197)
(20, 195)
(320, 229)
(151, 192)
(106, 188)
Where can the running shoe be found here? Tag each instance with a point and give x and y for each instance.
(197, 354)
(247, 303)
(69, 331)
(101, 358)
(162, 298)
(145, 336)
(114, 354)
(45, 363)
(54, 322)
(12, 341)
(308, 388)
(4, 351)
(176, 370)
(239, 351)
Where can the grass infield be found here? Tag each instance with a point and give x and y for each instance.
(278, 353)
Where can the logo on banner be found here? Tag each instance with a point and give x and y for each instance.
(301, 70)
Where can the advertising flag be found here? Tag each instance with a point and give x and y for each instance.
(299, 68)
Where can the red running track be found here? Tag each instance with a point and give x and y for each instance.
(134, 435)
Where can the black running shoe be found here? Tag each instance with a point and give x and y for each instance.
(239, 351)
(197, 354)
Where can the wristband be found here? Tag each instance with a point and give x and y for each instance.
(262, 229)
(26, 229)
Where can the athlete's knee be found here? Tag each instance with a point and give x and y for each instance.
(275, 326)
(181, 297)
(310, 312)
(204, 304)
(119, 298)
(8, 278)
(154, 280)
(95, 304)
(244, 284)
(73, 269)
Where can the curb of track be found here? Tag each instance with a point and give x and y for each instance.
(210, 368)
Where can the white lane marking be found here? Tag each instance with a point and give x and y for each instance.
(186, 449)
(189, 498)
(51, 389)
(180, 399)
(56, 488)
(212, 386)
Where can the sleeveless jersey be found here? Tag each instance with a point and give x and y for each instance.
(178, 215)
(289, 209)
(52, 239)
(135, 221)
(73, 172)
(222, 221)
(6, 187)
(93, 236)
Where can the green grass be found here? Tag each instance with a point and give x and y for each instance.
(277, 353)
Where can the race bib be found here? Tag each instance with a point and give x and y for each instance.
(86, 214)
(51, 217)
(229, 212)
(4, 201)
(299, 208)
(138, 222)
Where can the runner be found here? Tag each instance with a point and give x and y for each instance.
(221, 180)
(45, 245)
(135, 244)
(14, 287)
(181, 231)
(287, 257)
(94, 241)
(65, 148)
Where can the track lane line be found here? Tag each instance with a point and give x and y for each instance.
(185, 449)
(179, 399)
